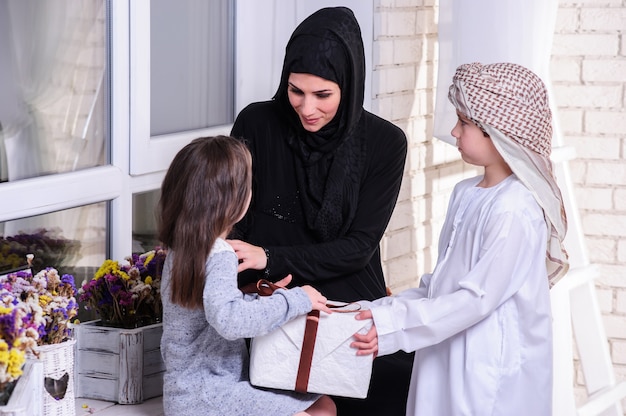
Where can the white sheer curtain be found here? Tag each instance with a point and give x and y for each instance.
(191, 65)
(52, 114)
(51, 81)
(490, 31)
(26, 51)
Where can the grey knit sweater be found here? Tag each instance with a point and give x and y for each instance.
(205, 351)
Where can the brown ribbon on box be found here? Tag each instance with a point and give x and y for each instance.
(266, 288)
(308, 346)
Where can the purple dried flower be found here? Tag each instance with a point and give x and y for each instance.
(118, 292)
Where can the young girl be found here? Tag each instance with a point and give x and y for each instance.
(480, 323)
(206, 318)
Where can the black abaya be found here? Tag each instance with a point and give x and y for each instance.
(321, 201)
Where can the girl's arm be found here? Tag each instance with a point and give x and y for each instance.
(235, 315)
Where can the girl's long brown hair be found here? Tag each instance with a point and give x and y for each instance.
(204, 193)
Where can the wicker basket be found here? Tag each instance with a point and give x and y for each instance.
(58, 373)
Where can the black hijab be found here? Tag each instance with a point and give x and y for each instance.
(328, 44)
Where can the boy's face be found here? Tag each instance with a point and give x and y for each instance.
(475, 147)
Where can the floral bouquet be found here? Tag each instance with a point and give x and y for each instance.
(19, 334)
(127, 294)
(47, 295)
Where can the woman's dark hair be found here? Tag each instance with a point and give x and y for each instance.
(204, 193)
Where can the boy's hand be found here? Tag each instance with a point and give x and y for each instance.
(366, 343)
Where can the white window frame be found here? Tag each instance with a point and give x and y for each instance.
(129, 89)
(157, 151)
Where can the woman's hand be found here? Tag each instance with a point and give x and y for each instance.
(250, 257)
(366, 343)
(317, 299)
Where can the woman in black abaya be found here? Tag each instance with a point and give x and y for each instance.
(326, 177)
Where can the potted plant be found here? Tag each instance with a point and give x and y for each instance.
(19, 333)
(21, 381)
(127, 294)
(119, 356)
(47, 303)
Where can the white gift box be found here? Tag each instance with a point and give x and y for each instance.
(335, 369)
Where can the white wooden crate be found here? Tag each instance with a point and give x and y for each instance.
(119, 365)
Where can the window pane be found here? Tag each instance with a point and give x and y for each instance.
(144, 221)
(53, 80)
(191, 64)
(72, 241)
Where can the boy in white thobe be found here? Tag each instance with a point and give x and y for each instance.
(480, 323)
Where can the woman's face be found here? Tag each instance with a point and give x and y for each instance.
(315, 99)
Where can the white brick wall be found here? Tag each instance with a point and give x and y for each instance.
(588, 70)
(589, 75)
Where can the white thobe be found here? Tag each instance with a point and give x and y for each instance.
(480, 323)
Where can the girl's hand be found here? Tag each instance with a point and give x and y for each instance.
(366, 343)
(250, 257)
(317, 299)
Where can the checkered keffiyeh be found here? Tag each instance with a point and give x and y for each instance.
(510, 103)
(508, 97)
